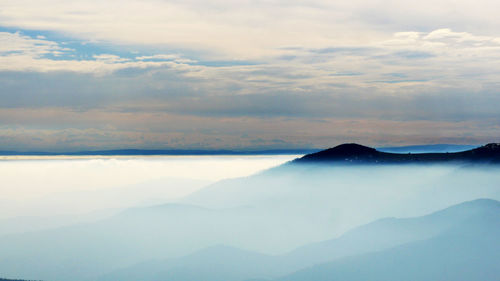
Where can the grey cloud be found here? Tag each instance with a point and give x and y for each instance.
(401, 80)
(85, 91)
(166, 91)
(360, 51)
(414, 54)
(429, 15)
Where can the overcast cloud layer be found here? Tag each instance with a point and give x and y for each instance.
(247, 74)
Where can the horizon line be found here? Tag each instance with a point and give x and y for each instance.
(200, 152)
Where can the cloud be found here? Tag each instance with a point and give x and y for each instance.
(15, 43)
(24, 53)
(246, 29)
(110, 59)
(265, 60)
(62, 129)
(381, 80)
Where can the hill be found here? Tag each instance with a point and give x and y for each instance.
(272, 213)
(154, 152)
(429, 148)
(389, 234)
(468, 251)
(352, 153)
(3, 279)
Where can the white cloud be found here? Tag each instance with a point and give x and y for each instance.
(428, 61)
(15, 43)
(159, 57)
(245, 29)
(227, 29)
(23, 53)
(109, 58)
(166, 57)
(393, 60)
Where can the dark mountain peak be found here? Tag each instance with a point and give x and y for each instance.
(352, 153)
(350, 149)
(490, 147)
(346, 151)
(491, 150)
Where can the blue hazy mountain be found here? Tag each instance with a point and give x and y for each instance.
(430, 148)
(389, 232)
(145, 152)
(271, 213)
(468, 250)
(83, 251)
(458, 234)
(433, 148)
(211, 264)
(2, 279)
(359, 154)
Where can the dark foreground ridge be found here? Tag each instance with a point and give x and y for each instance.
(359, 154)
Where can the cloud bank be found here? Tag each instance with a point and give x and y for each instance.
(256, 74)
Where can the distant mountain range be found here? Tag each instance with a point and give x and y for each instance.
(266, 214)
(458, 243)
(2, 279)
(467, 249)
(145, 152)
(359, 154)
(433, 148)
(430, 148)
(265, 226)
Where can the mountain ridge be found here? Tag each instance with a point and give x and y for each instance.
(352, 153)
(466, 251)
(154, 152)
(432, 148)
(429, 148)
(212, 263)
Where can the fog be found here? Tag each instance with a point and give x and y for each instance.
(319, 202)
(237, 218)
(68, 185)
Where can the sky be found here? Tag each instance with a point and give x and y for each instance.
(192, 74)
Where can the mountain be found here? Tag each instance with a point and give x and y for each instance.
(142, 152)
(85, 251)
(352, 153)
(231, 264)
(2, 279)
(431, 148)
(272, 213)
(211, 264)
(390, 232)
(468, 250)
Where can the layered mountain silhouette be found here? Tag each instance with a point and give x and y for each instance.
(2, 279)
(468, 251)
(261, 220)
(359, 154)
(152, 152)
(458, 243)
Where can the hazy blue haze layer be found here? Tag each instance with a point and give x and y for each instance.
(270, 224)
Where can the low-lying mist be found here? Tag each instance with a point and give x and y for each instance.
(322, 201)
(266, 216)
(58, 186)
